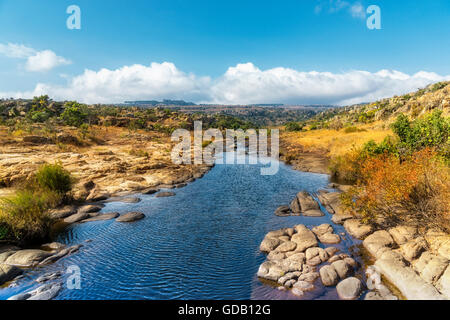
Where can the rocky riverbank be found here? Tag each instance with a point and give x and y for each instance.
(415, 263)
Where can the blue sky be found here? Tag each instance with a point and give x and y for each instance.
(201, 40)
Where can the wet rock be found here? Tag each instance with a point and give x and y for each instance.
(165, 194)
(90, 208)
(316, 252)
(307, 202)
(97, 195)
(44, 292)
(282, 211)
(430, 266)
(378, 242)
(8, 273)
(131, 217)
(125, 200)
(328, 275)
(331, 250)
(322, 229)
(63, 212)
(304, 238)
(150, 191)
(270, 271)
(403, 234)
(304, 286)
(357, 229)
(102, 217)
(60, 254)
(288, 276)
(27, 258)
(77, 217)
(310, 276)
(49, 276)
(325, 234)
(275, 255)
(350, 288)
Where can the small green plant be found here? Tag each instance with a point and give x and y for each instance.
(53, 177)
(75, 114)
(294, 126)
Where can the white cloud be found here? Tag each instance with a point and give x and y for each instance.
(45, 61)
(241, 84)
(36, 61)
(356, 9)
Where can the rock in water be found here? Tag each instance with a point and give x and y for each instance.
(356, 229)
(102, 217)
(282, 211)
(350, 288)
(165, 194)
(328, 276)
(7, 273)
(27, 258)
(44, 292)
(131, 217)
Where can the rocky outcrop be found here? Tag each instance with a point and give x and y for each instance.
(303, 204)
(326, 234)
(27, 258)
(8, 273)
(44, 292)
(350, 288)
(357, 229)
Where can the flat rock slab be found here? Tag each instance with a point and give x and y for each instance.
(27, 258)
(411, 285)
(165, 194)
(90, 208)
(124, 200)
(313, 213)
(102, 217)
(77, 217)
(378, 242)
(63, 212)
(131, 217)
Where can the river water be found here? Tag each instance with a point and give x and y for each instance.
(202, 243)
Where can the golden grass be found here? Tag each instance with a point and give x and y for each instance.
(335, 142)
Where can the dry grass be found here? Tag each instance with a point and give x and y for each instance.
(335, 142)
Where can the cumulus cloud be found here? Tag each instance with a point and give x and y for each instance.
(240, 84)
(36, 61)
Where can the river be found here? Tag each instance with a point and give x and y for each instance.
(202, 243)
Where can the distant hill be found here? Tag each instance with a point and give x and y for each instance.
(165, 102)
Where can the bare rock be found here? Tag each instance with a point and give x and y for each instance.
(77, 217)
(357, 229)
(403, 234)
(342, 269)
(287, 246)
(90, 208)
(269, 244)
(61, 213)
(413, 248)
(328, 275)
(378, 242)
(102, 217)
(27, 258)
(282, 211)
(131, 217)
(307, 202)
(295, 207)
(350, 288)
(8, 273)
(165, 194)
(313, 213)
(304, 238)
(430, 266)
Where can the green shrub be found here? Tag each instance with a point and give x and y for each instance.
(294, 126)
(75, 114)
(53, 177)
(24, 216)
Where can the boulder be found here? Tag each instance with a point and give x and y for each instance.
(357, 229)
(60, 254)
(150, 191)
(282, 211)
(97, 195)
(350, 288)
(329, 238)
(331, 251)
(27, 258)
(310, 276)
(304, 238)
(341, 218)
(328, 276)
(378, 242)
(322, 229)
(102, 217)
(443, 284)
(53, 246)
(270, 271)
(269, 244)
(303, 286)
(8, 273)
(342, 269)
(49, 276)
(307, 202)
(276, 255)
(131, 217)
(315, 256)
(403, 234)
(313, 213)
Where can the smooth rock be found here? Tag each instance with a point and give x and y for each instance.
(44, 292)
(328, 275)
(102, 217)
(8, 273)
(287, 246)
(282, 211)
(341, 218)
(303, 286)
(131, 217)
(90, 208)
(49, 276)
(342, 269)
(430, 266)
(304, 238)
(27, 258)
(313, 213)
(165, 194)
(403, 234)
(77, 217)
(356, 229)
(413, 248)
(307, 202)
(269, 244)
(63, 212)
(443, 284)
(322, 229)
(295, 207)
(329, 238)
(378, 242)
(349, 289)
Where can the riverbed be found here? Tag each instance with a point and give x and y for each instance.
(202, 243)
